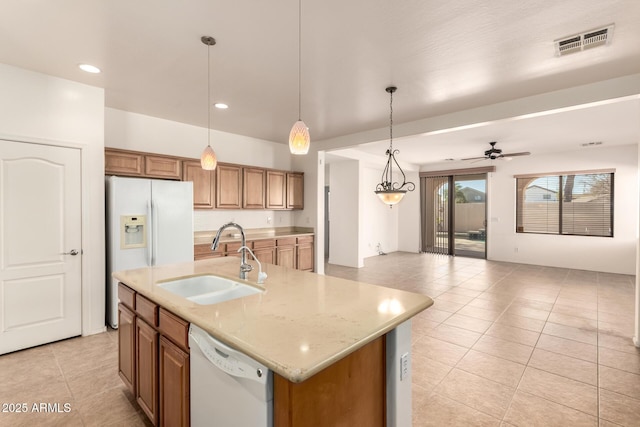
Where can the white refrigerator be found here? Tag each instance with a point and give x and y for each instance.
(149, 222)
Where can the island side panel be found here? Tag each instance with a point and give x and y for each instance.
(352, 391)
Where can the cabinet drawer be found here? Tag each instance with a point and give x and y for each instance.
(287, 241)
(174, 328)
(305, 239)
(146, 309)
(265, 243)
(204, 251)
(127, 296)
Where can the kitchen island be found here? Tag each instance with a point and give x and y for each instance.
(309, 329)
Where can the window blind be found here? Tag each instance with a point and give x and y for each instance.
(568, 204)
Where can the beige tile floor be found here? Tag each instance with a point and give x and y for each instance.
(503, 345)
(516, 345)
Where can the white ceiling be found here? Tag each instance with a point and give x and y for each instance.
(444, 56)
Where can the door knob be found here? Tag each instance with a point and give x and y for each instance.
(72, 252)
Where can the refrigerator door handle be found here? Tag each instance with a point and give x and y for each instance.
(150, 234)
(155, 213)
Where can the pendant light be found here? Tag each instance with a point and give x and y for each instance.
(391, 192)
(208, 159)
(299, 139)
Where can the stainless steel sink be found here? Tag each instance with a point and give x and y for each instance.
(208, 289)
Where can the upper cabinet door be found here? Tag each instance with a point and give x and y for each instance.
(162, 167)
(228, 186)
(253, 189)
(122, 163)
(295, 190)
(203, 184)
(276, 190)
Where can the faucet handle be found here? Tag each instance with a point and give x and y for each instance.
(246, 267)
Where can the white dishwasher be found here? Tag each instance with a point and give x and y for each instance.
(228, 388)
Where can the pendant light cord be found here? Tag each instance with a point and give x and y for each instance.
(299, 59)
(391, 123)
(209, 95)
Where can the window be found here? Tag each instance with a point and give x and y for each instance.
(568, 203)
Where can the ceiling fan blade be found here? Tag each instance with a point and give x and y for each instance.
(475, 158)
(524, 153)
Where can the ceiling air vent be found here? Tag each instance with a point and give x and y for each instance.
(586, 40)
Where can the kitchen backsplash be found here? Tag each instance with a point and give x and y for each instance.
(212, 220)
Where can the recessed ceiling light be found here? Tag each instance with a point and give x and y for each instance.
(221, 105)
(89, 68)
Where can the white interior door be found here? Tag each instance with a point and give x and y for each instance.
(40, 244)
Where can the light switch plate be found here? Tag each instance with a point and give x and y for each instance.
(404, 366)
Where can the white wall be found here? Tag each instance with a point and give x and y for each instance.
(39, 108)
(132, 131)
(408, 216)
(344, 202)
(616, 255)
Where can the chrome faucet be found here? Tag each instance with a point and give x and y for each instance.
(244, 267)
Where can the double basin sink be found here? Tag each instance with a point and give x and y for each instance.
(208, 289)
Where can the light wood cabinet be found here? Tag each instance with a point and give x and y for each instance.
(253, 194)
(203, 184)
(147, 369)
(162, 167)
(286, 252)
(265, 250)
(351, 392)
(304, 253)
(276, 194)
(228, 186)
(295, 190)
(118, 162)
(127, 347)
(203, 251)
(159, 361)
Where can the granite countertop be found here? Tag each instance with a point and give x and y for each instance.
(233, 235)
(302, 323)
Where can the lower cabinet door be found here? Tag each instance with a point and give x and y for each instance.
(127, 347)
(174, 385)
(147, 369)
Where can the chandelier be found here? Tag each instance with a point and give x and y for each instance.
(391, 192)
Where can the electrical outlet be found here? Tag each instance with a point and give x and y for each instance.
(268, 220)
(404, 366)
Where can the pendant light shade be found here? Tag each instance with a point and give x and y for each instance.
(299, 140)
(208, 159)
(390, 192)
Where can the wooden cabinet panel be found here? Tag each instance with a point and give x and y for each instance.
(286, 252)
(265, 250)
(147, 369)
(228, 187)
(304, 253)
(126, 296)
(127, 347)
(203, 184)
(295, 190)
(276, 197)
(174, 328)
(122, 163)
(147, 309)
(253, 188)
(174, 385)
(203, 251)
(162, 167)
(351, 392)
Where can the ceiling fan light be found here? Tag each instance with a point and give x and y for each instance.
(391, 197)
(299, 139)
(208, 159)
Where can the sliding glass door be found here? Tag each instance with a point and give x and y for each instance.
(454, 214)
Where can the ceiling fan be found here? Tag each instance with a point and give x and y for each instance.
(496, 153)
